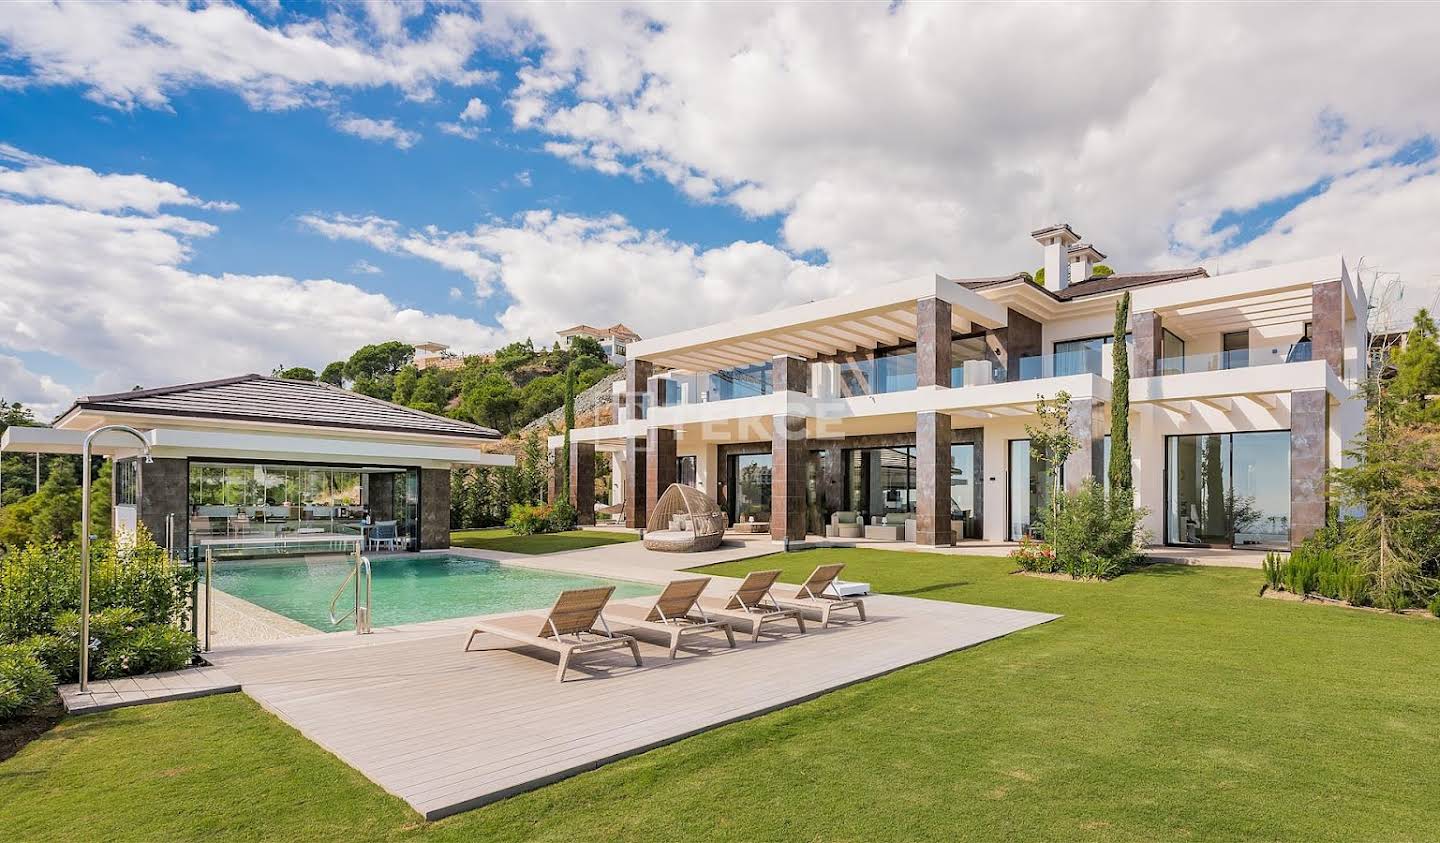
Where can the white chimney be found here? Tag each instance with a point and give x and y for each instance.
(1083, 258)
(1057, 240)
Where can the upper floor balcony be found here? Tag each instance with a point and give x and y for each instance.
(893, 339)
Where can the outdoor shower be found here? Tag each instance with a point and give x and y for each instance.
(85, 536)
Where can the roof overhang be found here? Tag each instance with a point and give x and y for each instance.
(219, 444)
(1255, 299)
(879, 317)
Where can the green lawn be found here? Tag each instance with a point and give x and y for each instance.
(1168, 704)
(500, 538)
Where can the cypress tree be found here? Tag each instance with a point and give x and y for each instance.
(564, 484)
(1121, 482)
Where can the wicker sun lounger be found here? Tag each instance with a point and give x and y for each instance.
(752, 604)
(813, 594)
(569, 628)
(670, 614)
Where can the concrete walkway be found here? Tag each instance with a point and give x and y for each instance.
(105, 694)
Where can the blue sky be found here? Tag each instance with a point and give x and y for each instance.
(664, 165)
(278, 165)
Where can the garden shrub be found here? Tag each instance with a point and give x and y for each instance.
(148, 648)
(1274, 566)
(1090, 527)
(1318, 567)
(24, 682)
(526, 520)
(1096, 567)
(1434, 606)
(59, 654)
(1035, 556)
(41, 582)
(563, 517)
(543, 518)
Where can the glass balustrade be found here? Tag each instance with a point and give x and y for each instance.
(1245, 358)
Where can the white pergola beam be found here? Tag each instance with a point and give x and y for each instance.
(1224, 405)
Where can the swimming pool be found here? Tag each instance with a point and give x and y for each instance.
(407, 589)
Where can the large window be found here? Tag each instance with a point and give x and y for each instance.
(742, 382)
(1172, 354)
(750, 487)
(685, 470)
(1029, 492)
(124, 479)
(1235, 350)
(1227, 490)
(887, 370)
(1078, 357)
(880, 481)
(265, 499)
(969, 349)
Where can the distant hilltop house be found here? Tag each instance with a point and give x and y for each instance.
(434, 355)
(613, 339)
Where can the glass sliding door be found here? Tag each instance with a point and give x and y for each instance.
(1029, 492)
(750, 481)
(1198, 481)
(964, 483)
(1260, 500)
(881, 481)
(1228, 490)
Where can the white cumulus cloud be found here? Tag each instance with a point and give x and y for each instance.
(382, 131)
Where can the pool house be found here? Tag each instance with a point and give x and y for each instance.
(255, 458)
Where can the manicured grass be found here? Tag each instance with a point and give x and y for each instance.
(500, 538)
(1169, 704)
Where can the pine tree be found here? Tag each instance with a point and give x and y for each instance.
(1416, 388)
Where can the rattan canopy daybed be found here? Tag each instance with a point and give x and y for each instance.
(684, 520)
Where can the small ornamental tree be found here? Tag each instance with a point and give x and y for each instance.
(1119, 470)
(1052, 441)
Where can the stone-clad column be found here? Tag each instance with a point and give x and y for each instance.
(582, 481)
(635, 482)
(788, 373)
(932, 342)
(1327, 325)
(659, 464)
(1309, 460)
(637, 385)
(787, 479)
(434, 509)
(1149, 350)
(1018, 340)
(932, 463)
(1087, 423)
(557, 457)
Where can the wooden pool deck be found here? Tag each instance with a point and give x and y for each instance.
(448, 730)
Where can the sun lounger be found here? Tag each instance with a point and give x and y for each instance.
(752, 604)
(568, 629)
(670, 614)
(818, 593)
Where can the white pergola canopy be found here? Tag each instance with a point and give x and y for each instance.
(880, 317)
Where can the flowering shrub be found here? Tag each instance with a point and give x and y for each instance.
(1035, 556)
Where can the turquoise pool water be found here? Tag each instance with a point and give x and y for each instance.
(406, 589)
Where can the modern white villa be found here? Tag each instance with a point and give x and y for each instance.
(900, 411)
(255, 457)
